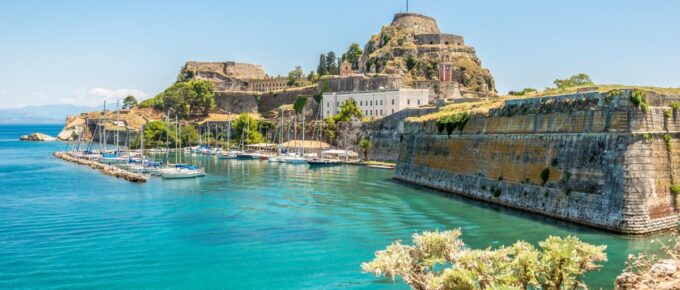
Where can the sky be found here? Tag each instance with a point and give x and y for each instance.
(83, 52)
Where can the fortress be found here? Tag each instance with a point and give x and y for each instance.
(414, 47)
(233, 76)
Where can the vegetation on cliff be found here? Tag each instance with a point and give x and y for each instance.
(440, 260)
(247, 129)
(163, 134)
(188, 99)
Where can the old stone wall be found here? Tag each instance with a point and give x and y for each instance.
(239, 102)
(386, 134)
(421, 24)
(358, 83)
(601, 162)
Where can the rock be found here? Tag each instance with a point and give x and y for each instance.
(37, 137)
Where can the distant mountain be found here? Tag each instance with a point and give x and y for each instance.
(46, 114)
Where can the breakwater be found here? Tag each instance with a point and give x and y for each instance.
(106, 169)
(596, 159)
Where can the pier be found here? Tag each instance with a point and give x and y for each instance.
(106, 169)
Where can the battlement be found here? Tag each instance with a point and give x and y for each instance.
(421, 24)
(229, 68)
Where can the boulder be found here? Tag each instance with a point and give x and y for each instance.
(37, 137)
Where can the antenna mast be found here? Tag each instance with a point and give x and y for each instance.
(406, 6)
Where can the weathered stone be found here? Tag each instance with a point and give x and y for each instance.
(600, 170)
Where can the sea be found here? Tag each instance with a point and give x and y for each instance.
(245, 225)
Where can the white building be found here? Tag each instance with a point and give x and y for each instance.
(375, 104)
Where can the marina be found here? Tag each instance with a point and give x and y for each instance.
(62, 221)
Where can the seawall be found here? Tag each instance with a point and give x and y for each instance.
(593, 159)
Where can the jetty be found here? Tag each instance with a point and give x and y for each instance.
(106, 169)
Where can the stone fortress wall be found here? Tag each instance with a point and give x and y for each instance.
(440, 39)
(595, 160)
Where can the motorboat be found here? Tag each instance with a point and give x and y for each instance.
(318, 162)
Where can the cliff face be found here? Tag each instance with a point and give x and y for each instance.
(594, 159)
(413, 47)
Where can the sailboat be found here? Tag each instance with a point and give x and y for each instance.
(299, 157)
(180, 170)
(228, 154)
(319, 160)
(248, 154)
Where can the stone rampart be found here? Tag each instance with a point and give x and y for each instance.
(598, 160)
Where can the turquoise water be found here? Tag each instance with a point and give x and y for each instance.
(247, 225)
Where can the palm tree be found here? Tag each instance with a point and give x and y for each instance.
(366, 145)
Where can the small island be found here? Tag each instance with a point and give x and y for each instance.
(37, 137)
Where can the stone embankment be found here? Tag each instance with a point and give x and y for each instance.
(597, 159)
(106, 169)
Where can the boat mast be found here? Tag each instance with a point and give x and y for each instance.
(102, 144)
(142, 144)
(303, 132)
(117, 126)
(179, 139)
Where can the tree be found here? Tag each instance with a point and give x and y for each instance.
(201, 98)
(365, 145)
(312, 77)
(129, 102)
(353, 55)
(440, 260)
(331, 64)
(348, 110)
(295, 77)
(322, 68)
(156, 133)
(187, 99)
(573, 81)
(246, 130)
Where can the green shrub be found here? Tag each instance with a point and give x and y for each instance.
(646, 137)
(554, 162)
(675, 189)
(609, 96)
(675, 105)
(545, 174)
(667, 114)
(452, 122)
(667, 138)
(639, 99)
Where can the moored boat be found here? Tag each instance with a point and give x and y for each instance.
(317, 162)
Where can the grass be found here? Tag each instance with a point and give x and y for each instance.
(595, 88)
(473, 108)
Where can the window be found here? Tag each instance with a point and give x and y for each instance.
(337, 104)
(366, 113)
(418, 102)
(392, 101)
(371, 112)
(408, 101)
(371, 102)
(328, 113)
(381, 113)
(328, 104)
(392, 111)
(361, 103)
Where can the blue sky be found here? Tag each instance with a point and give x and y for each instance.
(86, 51)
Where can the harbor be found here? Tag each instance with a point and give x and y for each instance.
(246, 213)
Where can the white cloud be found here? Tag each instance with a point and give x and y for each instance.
(119, 93)
(96, 96)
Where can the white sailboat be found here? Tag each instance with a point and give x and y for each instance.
(180, 170)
